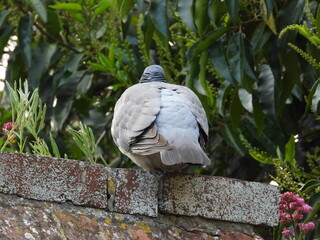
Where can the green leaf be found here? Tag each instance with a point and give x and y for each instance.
(258, 117)
(85, 83)
(316, 99)
(24, 36)
(216, 9)
(268, 17)
(309, 186)
(3, 17)
(259, 38)
(54, 147)
(202, 77)
(185, 8)
(236, 57)
(148, 29)
(290, 13)
(40, 8)
(67, 6)
(290, 79)
(219, 62)
(61, 111)
(236, 110)
(223, 93)
(269, 6)
(54, 25)
(201, 18)
(103, 5)
(246, 99)
(124, 7)
(5, 34)
(42, 54)
(70, 69)
(233, 139)
(310, 98)
(158, 14)
(205, 42)
(317, 21)
(78, 16)
(290, 150)
(266, 91)
(233, 10)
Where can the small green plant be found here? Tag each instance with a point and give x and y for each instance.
(85, 140)
(28, 114)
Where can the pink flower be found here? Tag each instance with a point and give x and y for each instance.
(304, 209)
(306, 227)
(297, 216)
(7, 127)
(286, 232)
(284, 217)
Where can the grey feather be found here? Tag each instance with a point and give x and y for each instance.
(153, 124)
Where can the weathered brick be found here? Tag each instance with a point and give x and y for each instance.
(133, 191)
(52, 179)
(221, 198)
(29, 219)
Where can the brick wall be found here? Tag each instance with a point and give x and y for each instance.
(103, 203)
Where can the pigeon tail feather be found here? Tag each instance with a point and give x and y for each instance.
(188, 152)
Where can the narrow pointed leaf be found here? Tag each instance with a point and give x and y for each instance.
(67, 6)
(158, 14)
(310, 97)
(42, 54)
(290, 13)
(236, 57)
(201, 18)
(3, 17)
(269, 6)
(185, 8)
(205, 42)
(236, 109)
(266, 89)
(223, 93)
(4, 37)
(233, 9)
(268, 17)
(124, 7)
(258, 117)
(246, 99)
(40, 8)
(54, 25)
(24, 36)
(233, 140)
(290, 150)
(316, 99)
(220, 63)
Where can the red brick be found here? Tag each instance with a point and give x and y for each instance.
(133, 191)
(53, 179)
(221, 198)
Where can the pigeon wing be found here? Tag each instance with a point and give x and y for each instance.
(133, 127)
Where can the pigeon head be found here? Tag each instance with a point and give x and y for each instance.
(153, 73)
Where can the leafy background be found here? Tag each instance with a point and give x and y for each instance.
(82, 55)
(253, 63)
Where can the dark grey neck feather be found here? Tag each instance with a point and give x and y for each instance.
(152, 77)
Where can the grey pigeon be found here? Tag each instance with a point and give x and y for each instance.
(160, 126)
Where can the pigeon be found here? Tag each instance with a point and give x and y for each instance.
(160, 126)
